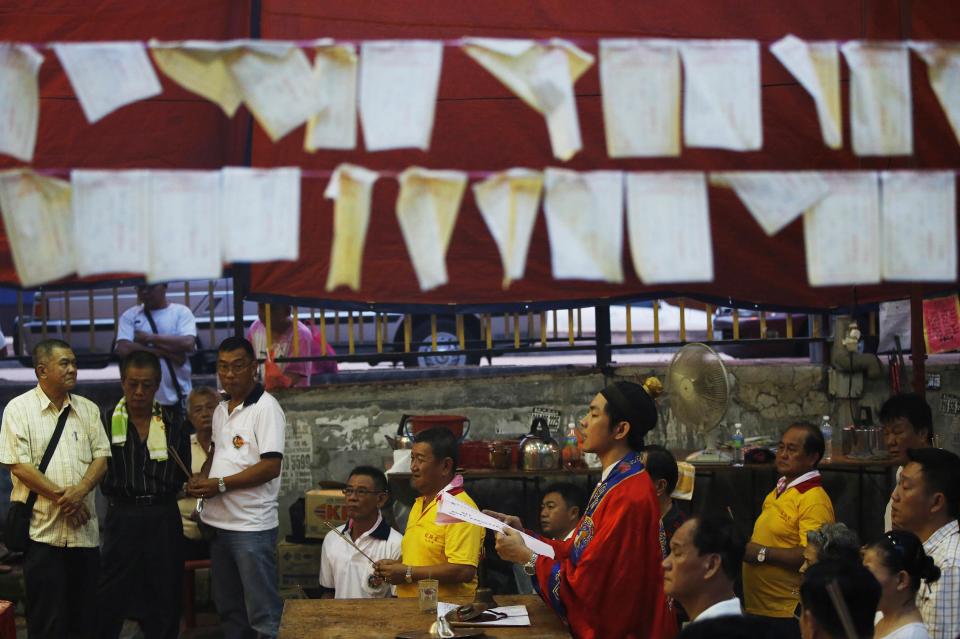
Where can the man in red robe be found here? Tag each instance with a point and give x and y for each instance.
(606, 581)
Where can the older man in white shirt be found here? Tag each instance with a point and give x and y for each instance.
(703, 564)
(346, 567)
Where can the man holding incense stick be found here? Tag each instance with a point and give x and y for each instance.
(349, 551)
(142, 563)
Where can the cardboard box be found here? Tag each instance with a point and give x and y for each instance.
(323, 505)
(298, 564)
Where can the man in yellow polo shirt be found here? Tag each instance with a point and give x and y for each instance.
(448, 553)
(798, 504)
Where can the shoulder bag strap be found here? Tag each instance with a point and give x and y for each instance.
(48, 453)
(170, 369)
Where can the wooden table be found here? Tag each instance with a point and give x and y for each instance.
(384, 618)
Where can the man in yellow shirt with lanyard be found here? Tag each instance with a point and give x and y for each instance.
(797, 505)
(448, 553)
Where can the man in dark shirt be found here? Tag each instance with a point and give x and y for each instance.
(141, 560)
(662, 466)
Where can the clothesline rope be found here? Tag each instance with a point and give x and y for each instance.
(447, 42)
(313, 174)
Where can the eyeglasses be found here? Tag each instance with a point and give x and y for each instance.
(360, 492)
(232, 367)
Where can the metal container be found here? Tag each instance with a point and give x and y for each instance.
(538, 450)
(403, 440)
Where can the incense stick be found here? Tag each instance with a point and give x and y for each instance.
(176, 458)
(348, 540)
(836, 597)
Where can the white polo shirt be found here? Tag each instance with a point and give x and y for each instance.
(347, 571)
(254, 430)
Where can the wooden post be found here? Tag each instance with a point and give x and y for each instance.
(918, 350)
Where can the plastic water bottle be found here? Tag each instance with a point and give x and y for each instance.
(570, 453)
(827, 431)
(737, 445)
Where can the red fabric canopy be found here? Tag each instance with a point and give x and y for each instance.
(481, 126)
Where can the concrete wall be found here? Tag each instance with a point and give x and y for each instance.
(345, 424)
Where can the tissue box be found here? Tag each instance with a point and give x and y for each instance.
(323, 505)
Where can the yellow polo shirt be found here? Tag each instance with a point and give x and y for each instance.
(773, 591)
(427, 543)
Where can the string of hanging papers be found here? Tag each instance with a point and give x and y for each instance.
(393, 85)
(860, 227)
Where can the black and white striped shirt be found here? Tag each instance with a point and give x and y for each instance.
(131, 472)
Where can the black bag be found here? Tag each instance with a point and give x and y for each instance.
(16, 531)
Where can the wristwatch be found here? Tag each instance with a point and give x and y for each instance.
(221, 485)
(530, 568)
(409, 576)
(762, 555)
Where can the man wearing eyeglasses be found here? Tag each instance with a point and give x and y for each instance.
(347, 571)
(239, 483)
(796, 505)
(167, 330)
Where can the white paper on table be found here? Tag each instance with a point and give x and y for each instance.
(453, 507)
(881, 107)
(334, 125)
(918, 212)
(107, 75)
(668, 220)
(280, 91)
(542, 75)
(110, 221)
(721, 88)
(515, 615)
(640, 87)
(398, 92)
(37, 217)
(584, 213)
(351, 187)
(943, 71)
(184, 226)
(841, 232)
(19, 100)
(260, 218)
(774, 198)
(509, 202)
(427, 209)
(816, 66)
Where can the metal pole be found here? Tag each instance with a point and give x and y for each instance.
(602, 314)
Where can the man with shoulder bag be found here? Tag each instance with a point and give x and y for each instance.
(56, 449)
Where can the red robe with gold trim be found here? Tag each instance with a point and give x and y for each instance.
(606, 581)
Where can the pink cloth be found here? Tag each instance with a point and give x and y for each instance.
(322, 367)
(283, 347)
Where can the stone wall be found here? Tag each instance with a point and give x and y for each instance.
(345, 423)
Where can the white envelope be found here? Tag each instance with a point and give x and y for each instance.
(334, 125)
(107, 75)
(399, 80)
(260, 219)
(584, 213)
(841, 232)
(509, 202)
(352, 188)
(918, 211)
(943, 70)
(110, 221)
(668, 219)
(37, 217)
(721, 93)
(19, 100)
(881, 104)
(184, 226)
(816, 66)
(774, 198)
(640, 87)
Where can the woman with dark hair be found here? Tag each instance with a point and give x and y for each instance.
(899, 563)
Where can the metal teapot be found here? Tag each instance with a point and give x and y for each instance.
(538, 450)
(404, 439)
